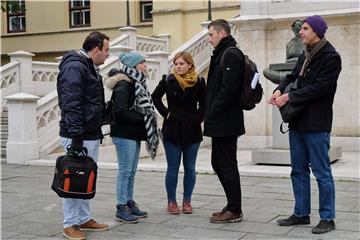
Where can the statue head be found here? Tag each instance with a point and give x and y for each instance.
(296, 26)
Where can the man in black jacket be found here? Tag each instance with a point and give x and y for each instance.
(81, 101)
(224, 120)
(317, 71)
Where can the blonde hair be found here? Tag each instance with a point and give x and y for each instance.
(187, 57)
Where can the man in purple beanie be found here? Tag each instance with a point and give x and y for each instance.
(317, 71)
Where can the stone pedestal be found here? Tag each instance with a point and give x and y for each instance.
(279, 154)
(23, 142)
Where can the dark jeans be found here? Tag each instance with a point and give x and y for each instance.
(310, 150)
(173, 156)
(224, 163)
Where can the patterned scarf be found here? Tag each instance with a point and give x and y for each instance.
(144, 105)
(310, 53)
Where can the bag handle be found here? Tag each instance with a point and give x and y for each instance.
(282, 129)
(84, 152)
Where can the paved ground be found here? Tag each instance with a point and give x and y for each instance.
(30, 210)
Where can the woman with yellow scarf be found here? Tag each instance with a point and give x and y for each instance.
(182, 133)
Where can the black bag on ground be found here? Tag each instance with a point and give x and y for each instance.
(288, 111)
(75, 176)
(249, 96)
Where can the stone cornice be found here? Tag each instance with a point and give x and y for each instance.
(218, 7)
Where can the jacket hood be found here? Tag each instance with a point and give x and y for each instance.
(72, 57)
(112, 81)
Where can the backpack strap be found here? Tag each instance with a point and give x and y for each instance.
(223, 55)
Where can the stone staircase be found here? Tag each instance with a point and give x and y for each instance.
(3, 134)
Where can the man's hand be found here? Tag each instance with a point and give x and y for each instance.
(282, 100)
(76, 144)
(275, 95)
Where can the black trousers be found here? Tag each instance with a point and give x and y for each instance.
(224, 163)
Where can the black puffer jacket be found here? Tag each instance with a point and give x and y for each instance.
(186, 110)
(129, 124)
(224, 116)
(81, 97)
(317, 90)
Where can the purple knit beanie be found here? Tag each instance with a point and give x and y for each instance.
(318, 25)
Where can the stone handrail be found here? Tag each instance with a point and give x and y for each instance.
(44, 75)
(9, 83)
(149, 44)
(199, 48)
(47, 118)
(121, 40)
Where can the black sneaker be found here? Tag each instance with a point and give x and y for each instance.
(324, 227)
(294, 220)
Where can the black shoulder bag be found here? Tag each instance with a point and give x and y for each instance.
(288, 111)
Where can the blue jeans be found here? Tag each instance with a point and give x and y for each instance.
(173, 156)
(77, 211)
(127, 151)
(310, 150)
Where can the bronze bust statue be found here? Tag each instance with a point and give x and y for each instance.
(277, 72)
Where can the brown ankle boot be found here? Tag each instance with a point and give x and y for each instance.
(187, 208)
(173, 208)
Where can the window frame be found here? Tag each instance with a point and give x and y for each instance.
(18, 15)
(142, 17)
(81, 9)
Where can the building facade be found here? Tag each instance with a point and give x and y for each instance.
(50, 28)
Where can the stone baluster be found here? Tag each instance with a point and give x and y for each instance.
(162, 57)
(131, 32)
(25, 73)
(22, 142)
(165, 37)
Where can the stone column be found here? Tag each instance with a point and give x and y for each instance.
(131, 32)
(162, 57)
(25, 74)
(22, 142)
(165, 37)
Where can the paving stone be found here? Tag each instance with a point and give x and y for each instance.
(305, 233)
(204, 233)
(348, 225)
(149, 228)
(42, 229)
(30, 210)
(193, 221)
(250, 227)
(254, 236)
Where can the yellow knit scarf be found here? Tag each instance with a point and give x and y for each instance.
(188, 80)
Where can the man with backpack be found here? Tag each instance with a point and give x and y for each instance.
(224, 119)
(81, 101)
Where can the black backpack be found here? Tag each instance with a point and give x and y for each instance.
(75, 176)
(249, 97)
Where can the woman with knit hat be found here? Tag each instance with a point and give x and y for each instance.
(135, 121)
(182, 134)
(316, 71)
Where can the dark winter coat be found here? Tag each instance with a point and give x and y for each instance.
(81, 97)
(128, 123)
(186, 110)
(317, 90)
(224, 116)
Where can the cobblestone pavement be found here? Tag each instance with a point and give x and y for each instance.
(31, 210)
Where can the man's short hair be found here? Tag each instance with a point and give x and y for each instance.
(93, 40)
(220, 24)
